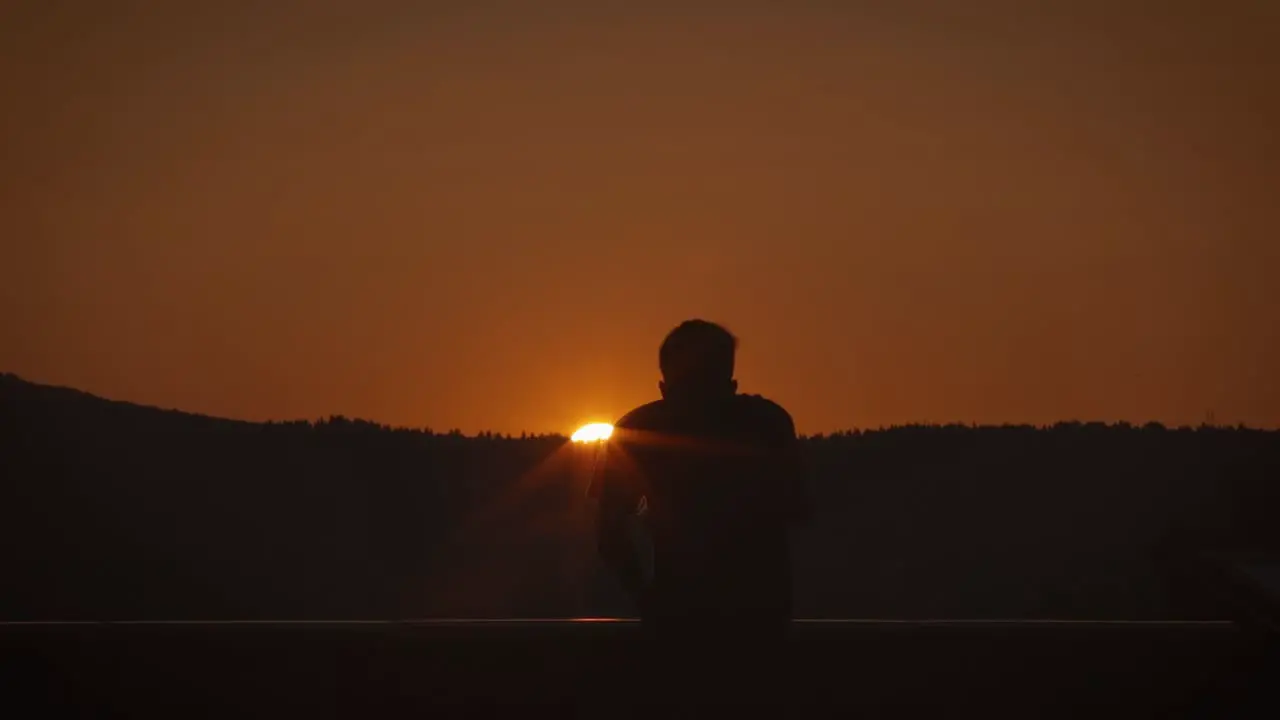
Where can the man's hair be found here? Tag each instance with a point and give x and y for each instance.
(697, 351)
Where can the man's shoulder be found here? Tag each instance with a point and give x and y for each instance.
(642, 418)
(761, 411)
(766, 412)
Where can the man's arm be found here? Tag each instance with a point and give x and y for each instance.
(619, 490)
(793, 472)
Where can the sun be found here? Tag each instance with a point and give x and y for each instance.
(593, 432)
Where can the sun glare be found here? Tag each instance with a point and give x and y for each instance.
(595, 432)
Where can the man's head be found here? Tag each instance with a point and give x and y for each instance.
(696, 359)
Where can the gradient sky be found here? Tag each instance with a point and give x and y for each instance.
(486, 214)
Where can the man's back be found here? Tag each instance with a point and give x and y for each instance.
(722, 483)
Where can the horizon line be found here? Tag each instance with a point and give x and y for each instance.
(1209, 422)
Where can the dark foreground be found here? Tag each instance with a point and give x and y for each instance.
(310, 670)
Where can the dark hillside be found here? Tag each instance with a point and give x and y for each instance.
(111, 510)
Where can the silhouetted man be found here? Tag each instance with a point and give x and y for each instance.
(720, 476)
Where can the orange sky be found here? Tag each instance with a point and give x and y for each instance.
(486, 214)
